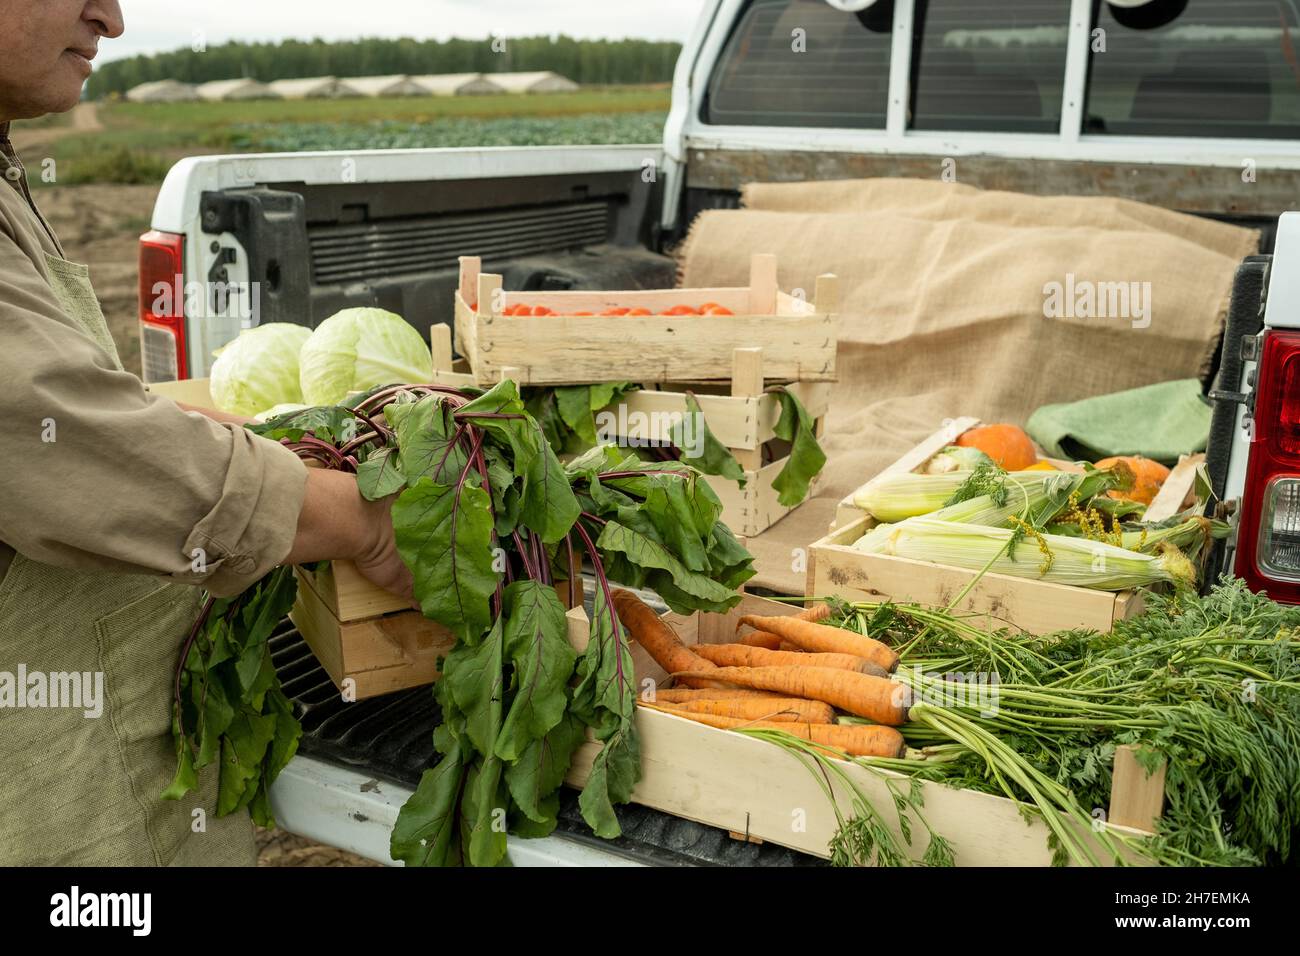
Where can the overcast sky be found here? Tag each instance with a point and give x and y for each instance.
(157, 25)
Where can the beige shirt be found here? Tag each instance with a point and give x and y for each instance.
(98, 474)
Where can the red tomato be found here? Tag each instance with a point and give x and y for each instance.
(584, 313)
(542, 310)
(615, 312)
(639, 312)
(718, 310)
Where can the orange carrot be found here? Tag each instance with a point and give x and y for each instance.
(864, 695)
(821, 637)
(759, 708)
(856, 740)
(659, 640)
(677, 695)
(814, 612)
(742, 655)
(761, 639)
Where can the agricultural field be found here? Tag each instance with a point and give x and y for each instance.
(136, 143)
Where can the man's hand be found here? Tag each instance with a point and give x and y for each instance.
(380, 564)
(338, 522)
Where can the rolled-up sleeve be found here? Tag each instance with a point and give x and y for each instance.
(101, 475)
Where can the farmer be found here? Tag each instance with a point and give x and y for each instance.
(117, 509)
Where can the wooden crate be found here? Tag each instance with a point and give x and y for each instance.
(740, 413)
(373, 655)
(836, 569)
(760, 792)
(565, 349)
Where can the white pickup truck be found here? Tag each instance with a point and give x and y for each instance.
(1189, 104)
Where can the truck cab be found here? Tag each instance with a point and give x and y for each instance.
(1193, 105)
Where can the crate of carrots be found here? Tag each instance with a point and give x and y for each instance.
(717, 692)
(662, 335)
(974, 518)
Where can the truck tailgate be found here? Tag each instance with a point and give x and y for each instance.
(358, 762)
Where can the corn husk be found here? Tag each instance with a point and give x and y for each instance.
(1190, 535)
(893, 497)
(1078, 562)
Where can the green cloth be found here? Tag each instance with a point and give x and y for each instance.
(1156, 421)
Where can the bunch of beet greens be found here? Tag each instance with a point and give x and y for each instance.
(490, 523)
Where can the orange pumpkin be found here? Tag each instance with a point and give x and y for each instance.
(1149, 476)
(1007, 445)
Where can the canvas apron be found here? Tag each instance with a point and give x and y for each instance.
(84, 790)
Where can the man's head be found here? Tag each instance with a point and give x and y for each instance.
(45, 52)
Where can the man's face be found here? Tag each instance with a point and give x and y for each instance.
(45, 51)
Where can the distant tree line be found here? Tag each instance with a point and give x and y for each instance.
(584, 61)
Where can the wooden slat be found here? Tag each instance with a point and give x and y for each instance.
(1178, 488)
(656, 300)
(440, 347)
(571, 350)
(1136, 799)
(762, 284)
(827, 295)
(470, 268)
(747, 382)
(1039, 607)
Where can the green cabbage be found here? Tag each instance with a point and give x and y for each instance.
(258, 369)
(357, 349)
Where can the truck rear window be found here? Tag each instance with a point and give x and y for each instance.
(803, 63)
(1196, 68)
(989, 65)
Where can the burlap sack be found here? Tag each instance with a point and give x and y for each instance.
(943, 301)
(927, 199)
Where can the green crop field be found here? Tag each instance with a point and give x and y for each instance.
(139, 142)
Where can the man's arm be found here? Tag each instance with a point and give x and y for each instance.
(336, 521)
(100, 474)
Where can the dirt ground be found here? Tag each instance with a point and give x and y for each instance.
(278, 848)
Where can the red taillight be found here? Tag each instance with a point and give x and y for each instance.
(162, 307)
(1268, 533)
